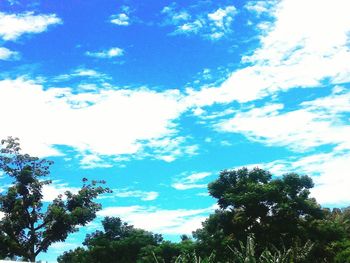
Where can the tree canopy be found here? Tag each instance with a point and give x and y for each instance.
(278, 211)
(28, 226)
(119, 241)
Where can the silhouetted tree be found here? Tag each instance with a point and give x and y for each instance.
(26, 228)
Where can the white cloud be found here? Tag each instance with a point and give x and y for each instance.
(12, 26)
(121, 19)
(190, 181)
(110, 53)
(211, 25)
(7, 54)
(315, 123)
(111, 122)
(294, 53)
(178, 221)
(127, 193)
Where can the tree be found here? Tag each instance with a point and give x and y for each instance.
(119, 242)
(25, 228)
(277, 211)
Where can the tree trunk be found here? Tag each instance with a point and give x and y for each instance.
(32, 257)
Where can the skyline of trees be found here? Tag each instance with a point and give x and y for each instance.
(276, 217)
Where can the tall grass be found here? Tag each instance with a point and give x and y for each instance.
(246, 254)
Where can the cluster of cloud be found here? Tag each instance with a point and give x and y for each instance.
(110, 122)
(212, 25)
(308, 52)
(13, 26)
(294, 53)
(165, 221)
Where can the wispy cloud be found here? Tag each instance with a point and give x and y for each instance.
(110, 53)
(211, 25)
(12, 26)
(314, 123)
(191, 181)
(82, 72)
(164, 221)
(60, 247)
(91, 161)
(7, 54)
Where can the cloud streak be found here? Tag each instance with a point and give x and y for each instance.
(191, 181)
(110, 53)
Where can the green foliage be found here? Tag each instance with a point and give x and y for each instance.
(167, 252)
(26, 229)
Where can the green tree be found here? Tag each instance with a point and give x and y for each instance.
(278, 212)
(25, 228)
(119, 242)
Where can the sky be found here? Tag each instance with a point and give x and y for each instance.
(157, 97)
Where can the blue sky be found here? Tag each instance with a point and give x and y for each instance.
(156, 97)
